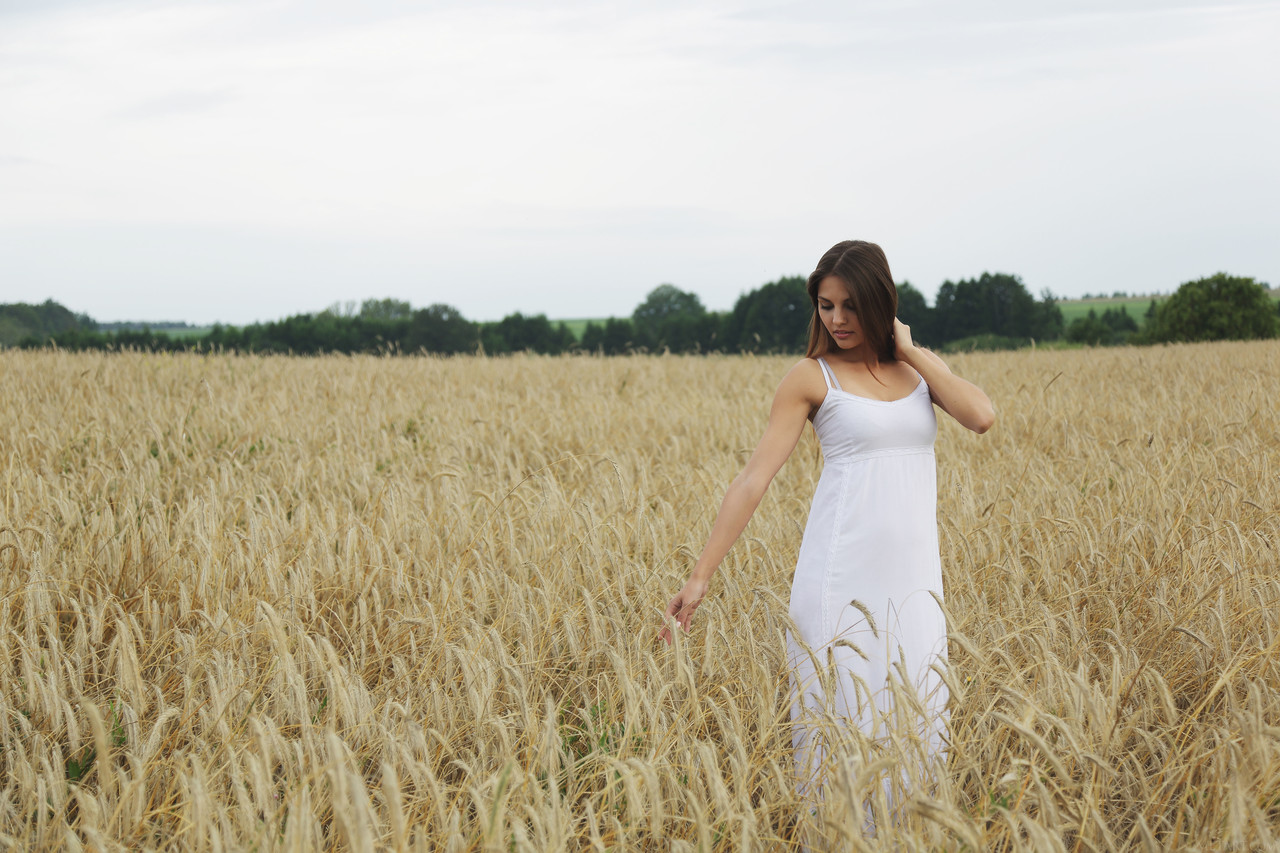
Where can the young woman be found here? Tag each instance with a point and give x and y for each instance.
(868, 572)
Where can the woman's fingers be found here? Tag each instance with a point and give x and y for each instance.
(902, 341)
(682, 613)
(682, 606)
(665, 633)
(673, 611)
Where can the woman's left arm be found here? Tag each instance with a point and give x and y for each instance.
(961, 399)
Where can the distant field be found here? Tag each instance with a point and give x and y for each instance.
(187, 332)
(173, 331)
(579, 325)
(1136, 306)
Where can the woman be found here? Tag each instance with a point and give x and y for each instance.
(868, 572)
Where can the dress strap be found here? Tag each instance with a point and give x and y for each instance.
(828, 374)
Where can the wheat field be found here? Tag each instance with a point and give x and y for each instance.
(270, 603)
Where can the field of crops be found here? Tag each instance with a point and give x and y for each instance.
(411, 604)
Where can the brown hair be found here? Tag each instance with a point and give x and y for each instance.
(864, 270)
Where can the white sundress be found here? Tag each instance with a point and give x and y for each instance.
(872, 536)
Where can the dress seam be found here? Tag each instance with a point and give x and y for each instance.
(827, 630)
(876, 454)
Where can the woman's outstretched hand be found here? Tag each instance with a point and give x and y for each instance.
(682, 606)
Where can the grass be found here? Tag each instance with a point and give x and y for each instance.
(376, 603)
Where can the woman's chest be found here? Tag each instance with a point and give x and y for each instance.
(848, 425)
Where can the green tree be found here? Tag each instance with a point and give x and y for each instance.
(439, 328)
(1220, 307)
(1088, 329)
(341, 308)
(1047, 323)
(671, 318)
(517, 332)
(915, 312)
(1119, 320)
(997, 304)
(225, 338)
(772, 318)
(592, 338)
(1114, 326)
(615, 337)
(385, 310)
(20, 320)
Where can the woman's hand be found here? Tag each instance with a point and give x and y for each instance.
(963, 400)
(682, 606)
(902, 343)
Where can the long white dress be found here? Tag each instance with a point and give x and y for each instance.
(871, 537)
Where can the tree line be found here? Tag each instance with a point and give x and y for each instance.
(992, 311)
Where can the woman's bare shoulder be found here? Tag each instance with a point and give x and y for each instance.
(804, 381)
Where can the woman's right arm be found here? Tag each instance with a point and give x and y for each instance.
(800, 390)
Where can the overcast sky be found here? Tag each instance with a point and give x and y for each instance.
(243, 161)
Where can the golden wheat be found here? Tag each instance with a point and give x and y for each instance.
(411, 604)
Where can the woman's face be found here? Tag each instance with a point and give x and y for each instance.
(835, 309)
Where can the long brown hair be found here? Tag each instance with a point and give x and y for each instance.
(864, 270)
